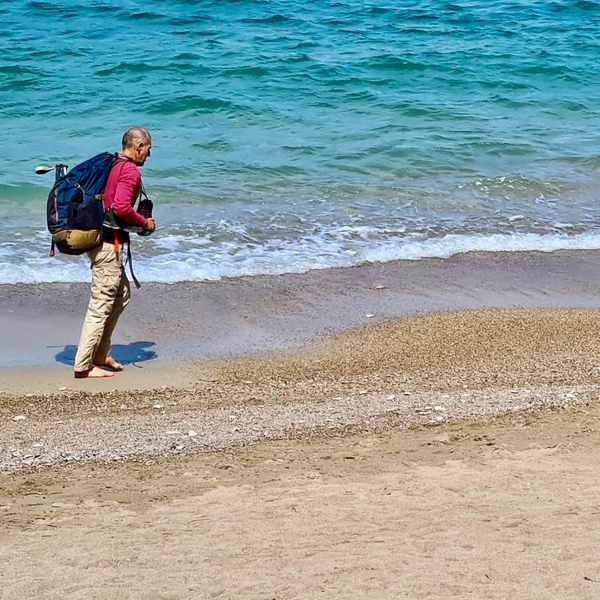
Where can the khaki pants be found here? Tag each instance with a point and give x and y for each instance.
(109, 297)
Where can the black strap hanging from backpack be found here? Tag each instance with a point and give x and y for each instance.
(130, 261)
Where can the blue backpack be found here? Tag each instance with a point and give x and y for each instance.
(75, 209)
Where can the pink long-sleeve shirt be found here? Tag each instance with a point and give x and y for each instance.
(122, 190)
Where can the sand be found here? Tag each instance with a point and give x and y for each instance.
(419, 370)
(426, 452)
(502, 509)
(40, 324)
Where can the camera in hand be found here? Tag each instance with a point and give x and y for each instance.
(145, 207)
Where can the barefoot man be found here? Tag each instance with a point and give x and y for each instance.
(110, 286)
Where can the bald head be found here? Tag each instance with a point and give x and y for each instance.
(133, 136)
(137, 144)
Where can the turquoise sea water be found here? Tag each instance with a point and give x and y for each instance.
(294, 135)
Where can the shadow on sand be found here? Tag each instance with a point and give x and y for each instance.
(127, 354)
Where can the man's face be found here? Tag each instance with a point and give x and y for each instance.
(142, 152)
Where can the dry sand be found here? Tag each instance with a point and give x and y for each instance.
(495, 510)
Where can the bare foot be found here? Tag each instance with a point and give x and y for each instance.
(93, 372)
(109, 363)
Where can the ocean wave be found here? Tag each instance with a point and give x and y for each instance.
(180, 262)
(191, 21)
(196, 104)
(21, 85)
(12, 70)
(145, 15)
(55, 8)
(386, 62)
(269, 20)
(141, 68)
(246, 71)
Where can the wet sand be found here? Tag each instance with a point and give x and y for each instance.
(441, 454)
(41, 323)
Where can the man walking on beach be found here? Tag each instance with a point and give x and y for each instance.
(110, 287)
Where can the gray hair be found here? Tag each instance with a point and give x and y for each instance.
(134, 134)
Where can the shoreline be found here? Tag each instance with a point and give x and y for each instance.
(174, 266)
(178, 323)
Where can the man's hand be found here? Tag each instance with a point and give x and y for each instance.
(150, 225)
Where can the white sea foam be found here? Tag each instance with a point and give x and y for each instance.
(179, 260)
(450, 245)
